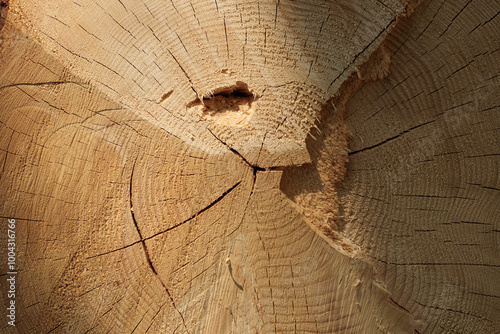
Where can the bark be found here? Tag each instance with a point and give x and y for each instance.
(241, 166)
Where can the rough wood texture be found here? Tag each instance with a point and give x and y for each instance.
(251, 167)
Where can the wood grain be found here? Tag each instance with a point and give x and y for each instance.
(251, 167)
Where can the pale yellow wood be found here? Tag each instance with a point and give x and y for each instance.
(251, 167)
(431, 190)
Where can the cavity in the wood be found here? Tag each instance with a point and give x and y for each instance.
(228, 106)
(166, 96)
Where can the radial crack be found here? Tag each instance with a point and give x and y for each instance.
(137, 225)
(114, 250)
(217, 200)
(362, 51)
(248, 201)
(146, 252)
(46, 83)
(237, 153)
(389, 139)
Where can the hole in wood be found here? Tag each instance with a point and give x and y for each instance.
(166, 96)
(230, 106)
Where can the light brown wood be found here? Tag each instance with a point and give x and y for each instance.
(251, 167)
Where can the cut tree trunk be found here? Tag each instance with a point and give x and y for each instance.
(240, 166)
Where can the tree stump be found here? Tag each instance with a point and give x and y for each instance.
(228, 166)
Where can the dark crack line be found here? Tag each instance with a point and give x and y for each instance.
(26, 219)
(383, 4)
(439, 264)
(137, 225)
(112, 251)
(455, 311)
(171, 299)
(482, 186)
(182, 43)
(237, 153)
(31, 305)
(6, 155)
(47, 83)
(360, 53)
(225, 33)
(389, 139)
(132, 205)
(173, 5)
(142, 318)
(109, 68)
(453, 19)
(88, 331)
(261, 146)
(53, 329)
(146, 252)
(246, 205)
(465, 222)
(185, 73)
(291, 114)
(119, 24)
(484, 294)
(56, 19)
(111, 308)
(65, 48)
(89, 33)
(433, 196)
(154, 316)
(217, 200)
(91, 290)
(398, 305)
